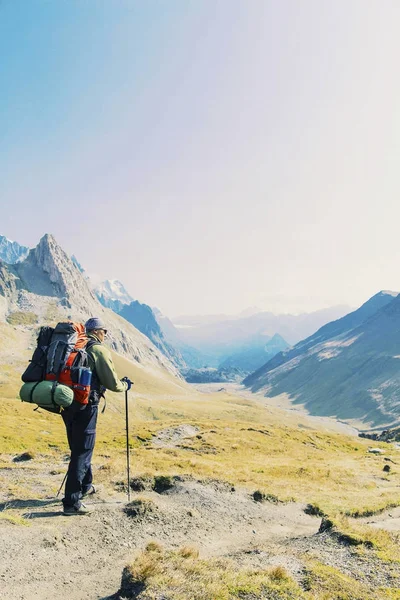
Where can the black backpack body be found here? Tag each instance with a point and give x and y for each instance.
(36, 370)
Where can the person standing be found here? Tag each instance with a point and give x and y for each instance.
(80, 420)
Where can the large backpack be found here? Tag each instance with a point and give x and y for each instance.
(59, 361)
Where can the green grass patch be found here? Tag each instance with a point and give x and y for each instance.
(385, 544)
(13, 518)
(327, 583)
(375, 509)
(22, 318)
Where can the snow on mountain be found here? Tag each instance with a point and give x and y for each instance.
(115, 290)
(113, 294)
(12, 252)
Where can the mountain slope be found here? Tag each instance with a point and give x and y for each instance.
(349, 369)
(328, 331)
(48, 286)
(143, 318)
(192, 357)
(112, 294)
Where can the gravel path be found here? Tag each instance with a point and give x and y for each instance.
(83, 557)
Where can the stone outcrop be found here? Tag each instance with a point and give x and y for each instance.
(49, 271)
(9, 282)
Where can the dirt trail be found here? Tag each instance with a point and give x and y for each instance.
(83, 557)
(389, 520)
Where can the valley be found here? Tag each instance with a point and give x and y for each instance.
(235, 492)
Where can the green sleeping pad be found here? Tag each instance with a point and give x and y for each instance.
(41, 394)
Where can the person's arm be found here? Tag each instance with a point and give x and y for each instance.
(106, 371)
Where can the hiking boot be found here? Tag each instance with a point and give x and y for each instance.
(77, 510)
(90, 491)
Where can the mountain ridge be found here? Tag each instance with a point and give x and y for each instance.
(348, 369)
(250, 359)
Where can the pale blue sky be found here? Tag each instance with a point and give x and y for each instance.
(210, 154)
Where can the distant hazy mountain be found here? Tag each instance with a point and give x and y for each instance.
(250, 359)
(193, 358)
(143, 318)
(221, 338)
(184, 321)
(249, 312)
(12, 252)
(113, 294)
(349, 368)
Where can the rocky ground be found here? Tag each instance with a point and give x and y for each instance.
(48, 556)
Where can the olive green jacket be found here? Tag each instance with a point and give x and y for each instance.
(100, 360)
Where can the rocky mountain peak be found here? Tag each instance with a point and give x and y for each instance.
(49, 271)
(54, 261)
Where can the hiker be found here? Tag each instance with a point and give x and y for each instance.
(80, 420)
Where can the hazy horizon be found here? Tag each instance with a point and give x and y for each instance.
(212, 156)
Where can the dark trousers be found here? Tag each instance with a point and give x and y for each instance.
(80, 422)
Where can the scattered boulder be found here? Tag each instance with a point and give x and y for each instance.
(24, 457)
(163, 483)
(141, 483)
(388, 435)
(314, 510)
(326, 525)
(259, 496)
(139, 507)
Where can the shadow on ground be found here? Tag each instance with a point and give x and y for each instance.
(32, 503)
(42, 515)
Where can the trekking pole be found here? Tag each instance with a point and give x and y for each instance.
(127, 444)
(61, 486)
